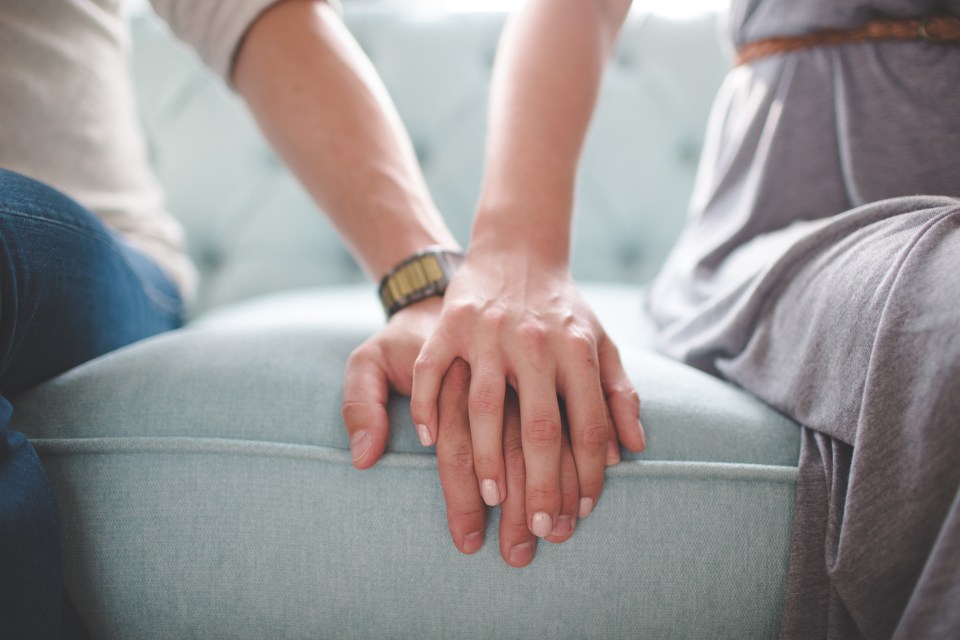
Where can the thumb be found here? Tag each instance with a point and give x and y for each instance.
(365, 393)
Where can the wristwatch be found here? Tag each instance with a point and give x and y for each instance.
(424, 274)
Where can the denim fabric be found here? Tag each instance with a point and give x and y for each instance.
(70, 290)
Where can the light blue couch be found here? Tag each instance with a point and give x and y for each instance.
(204, 476)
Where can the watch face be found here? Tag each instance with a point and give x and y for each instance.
(415, 276)
(421, 276)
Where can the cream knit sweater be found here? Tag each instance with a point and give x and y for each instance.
(67, 111)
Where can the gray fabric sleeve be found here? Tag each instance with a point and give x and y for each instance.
(214, 28)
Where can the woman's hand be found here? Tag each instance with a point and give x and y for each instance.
(518, 320)
(385, 362)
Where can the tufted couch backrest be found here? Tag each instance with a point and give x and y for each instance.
(252, 229)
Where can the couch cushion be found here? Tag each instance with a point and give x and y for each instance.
(271, 370)
(206, 491)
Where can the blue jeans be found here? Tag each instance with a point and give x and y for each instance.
(70, 290)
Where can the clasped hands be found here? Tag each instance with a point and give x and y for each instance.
(512, 377)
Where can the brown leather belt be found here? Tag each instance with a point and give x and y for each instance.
(932, 29)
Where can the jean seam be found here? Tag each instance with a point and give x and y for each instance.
(169, 304)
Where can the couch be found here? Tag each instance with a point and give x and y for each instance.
(204, 476)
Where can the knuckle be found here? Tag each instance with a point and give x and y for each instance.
(354, 411)
(542, 429)
(494, 318)
(424, 363)
(593, 435)
(541, 495)
(357, 356)
(458, 512)
(582, 343)
(513, 462)
(512, 441)
(485, 462)
(533, 336)
(362, 355)
(462, 312)
(485, 402)
(457, 460)
(584, 354)
(623, 389)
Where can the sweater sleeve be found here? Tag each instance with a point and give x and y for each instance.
(214, 28)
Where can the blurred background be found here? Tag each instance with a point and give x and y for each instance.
(252, 229)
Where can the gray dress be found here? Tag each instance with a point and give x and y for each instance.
(820, 270)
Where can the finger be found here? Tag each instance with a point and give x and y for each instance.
(487, 388)
(623, 399)
(466, 514)
(540, 436)
(569, 493)
(613, 442)
(364, 409)
(428, 371)
(586, 410)
(517, 544)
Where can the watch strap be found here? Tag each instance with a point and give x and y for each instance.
(424, 274)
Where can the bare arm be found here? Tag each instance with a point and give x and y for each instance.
(323, 108)
(513, 312)
(545, 85)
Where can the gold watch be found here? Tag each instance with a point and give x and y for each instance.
(424, 274)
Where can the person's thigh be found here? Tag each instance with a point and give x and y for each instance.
(855, 333)
(70, 290)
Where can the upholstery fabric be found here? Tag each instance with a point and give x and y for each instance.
(206, 490)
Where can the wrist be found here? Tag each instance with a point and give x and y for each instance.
(544, 246)
(425, 274)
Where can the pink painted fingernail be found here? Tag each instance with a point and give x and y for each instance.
(424, 433)
(564, 527)
(522, 554)
(542, 524)
(490, 493)
(586, 507)
(360, 443)
(472, 542)
(613, 453)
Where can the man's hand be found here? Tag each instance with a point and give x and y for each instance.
(466, 512)
(382, 363)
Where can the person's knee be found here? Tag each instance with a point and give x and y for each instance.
(26, 203)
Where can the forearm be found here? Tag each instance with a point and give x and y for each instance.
(547, 76)
(320, 103)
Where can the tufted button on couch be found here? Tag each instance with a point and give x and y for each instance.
(204, 476)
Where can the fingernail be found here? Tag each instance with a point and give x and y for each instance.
(522, 554)
(490, 493)
(424, 433)
(564, 527)
(643, 436)
(586, 507)
(360, 443)
(473, 541)
(542, 524)
(613, 453)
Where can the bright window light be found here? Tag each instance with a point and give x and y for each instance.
(671, 8)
